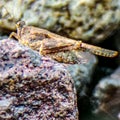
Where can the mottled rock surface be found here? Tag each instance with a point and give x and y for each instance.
(33, 87)
(82, 73)
(108, 94)
(89, 20)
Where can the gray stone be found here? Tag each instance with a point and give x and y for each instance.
(91, 21)
(107, 93)
(82, 73)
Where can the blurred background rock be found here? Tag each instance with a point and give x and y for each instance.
(91, 21)
(107, 92)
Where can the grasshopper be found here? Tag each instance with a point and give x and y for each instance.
(55, 46)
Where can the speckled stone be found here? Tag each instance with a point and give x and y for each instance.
(33, 87)
(89, 20)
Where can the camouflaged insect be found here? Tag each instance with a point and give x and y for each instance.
(55, 46)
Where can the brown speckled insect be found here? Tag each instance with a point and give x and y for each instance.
(55, 46)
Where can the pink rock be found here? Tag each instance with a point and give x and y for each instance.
(34, 87)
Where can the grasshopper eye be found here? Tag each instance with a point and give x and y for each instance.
(20, 24)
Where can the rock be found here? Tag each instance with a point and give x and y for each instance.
(3, 36)
(91, 21)
(107, 93)
(34, 87)
(82, 73)
(117, 40)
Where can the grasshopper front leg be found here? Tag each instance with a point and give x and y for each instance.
(13, 34)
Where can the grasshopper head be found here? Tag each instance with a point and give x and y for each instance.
(20, 24)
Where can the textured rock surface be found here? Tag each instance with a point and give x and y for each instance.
(82, 73)
(81, 19)
(108, 94)
(3, 36)
(33, 87)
